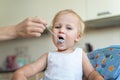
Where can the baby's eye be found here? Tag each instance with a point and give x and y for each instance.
(57, 27)
(69, 28)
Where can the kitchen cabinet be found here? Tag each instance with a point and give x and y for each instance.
(97, 9)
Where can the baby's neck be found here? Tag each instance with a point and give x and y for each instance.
(66, 51)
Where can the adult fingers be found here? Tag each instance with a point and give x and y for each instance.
(34, 34)
(37, 20)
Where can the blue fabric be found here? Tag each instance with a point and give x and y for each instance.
(118, 78)
(107, 61)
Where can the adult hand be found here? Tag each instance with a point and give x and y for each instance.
(30, 27)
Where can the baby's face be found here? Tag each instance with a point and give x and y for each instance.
(66, 28)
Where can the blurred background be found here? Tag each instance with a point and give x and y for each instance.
(102, 20)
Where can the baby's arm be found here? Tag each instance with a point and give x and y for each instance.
(31, 69)
(88, 69)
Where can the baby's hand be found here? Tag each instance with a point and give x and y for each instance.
(95, 76)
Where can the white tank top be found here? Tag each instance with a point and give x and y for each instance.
(64, 66)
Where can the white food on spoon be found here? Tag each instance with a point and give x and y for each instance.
(60, 39)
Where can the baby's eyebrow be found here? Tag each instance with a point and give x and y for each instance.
(69, 24)
(57, 24)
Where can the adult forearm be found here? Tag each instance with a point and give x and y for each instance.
(30, 27)
(7, 33)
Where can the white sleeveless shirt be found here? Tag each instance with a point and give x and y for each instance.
(64, 66)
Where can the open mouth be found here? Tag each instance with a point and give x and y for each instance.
(61, 39)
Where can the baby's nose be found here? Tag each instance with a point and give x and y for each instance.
(62, 30)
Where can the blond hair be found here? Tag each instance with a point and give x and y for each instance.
(68, 11)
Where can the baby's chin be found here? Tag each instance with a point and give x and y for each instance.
(61, 49)
(65, 50)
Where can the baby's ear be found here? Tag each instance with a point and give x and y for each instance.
(78, 38)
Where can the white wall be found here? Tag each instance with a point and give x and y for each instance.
(102, 37)
(13, 11)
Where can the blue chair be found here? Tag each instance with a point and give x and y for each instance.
(107, 62)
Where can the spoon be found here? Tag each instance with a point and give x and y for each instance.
(58, 40)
